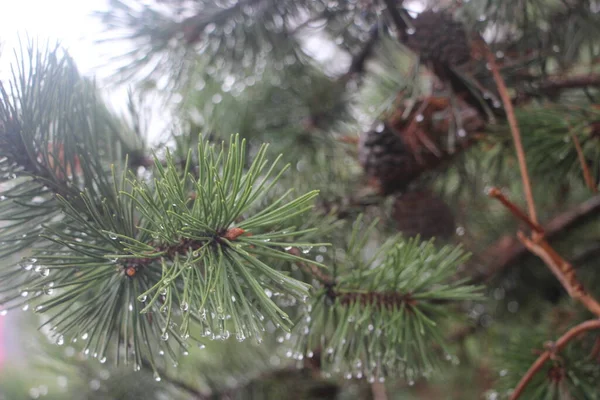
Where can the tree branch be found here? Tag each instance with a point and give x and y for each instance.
(514, 128)
(554, 84)
(561, 269)
(554, 348)
(508, 249)
(587, 175)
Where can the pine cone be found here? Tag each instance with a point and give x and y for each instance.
(423, 213)
(453, 55)
(385, 158)
(437, 38)
(393, 153)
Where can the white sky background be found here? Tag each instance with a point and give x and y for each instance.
(70, 22)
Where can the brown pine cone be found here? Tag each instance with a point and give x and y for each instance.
(437, 38)
(423, 213)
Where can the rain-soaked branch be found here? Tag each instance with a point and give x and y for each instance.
(552, 349)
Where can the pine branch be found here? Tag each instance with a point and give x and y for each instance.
(508, 249)
(561, 269)
(553, 349)
(357, 66)
(587, 175)
(554, 84)
(393, 297)
(514, 128)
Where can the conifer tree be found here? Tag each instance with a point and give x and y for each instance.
(370, 199)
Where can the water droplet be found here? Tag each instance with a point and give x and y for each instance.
(164, 336)
(461, 132)
(201, 346)
(184, 306)
(94, 384)
(3, 313)
(287, 248)
(24, 293)
(306, 249)
(137, 367)
(156, 376)
(143, 298)
(163, 291)
(60, 340)
(84, 336)
(130, 307)
(112, 236)
(102, 360)
(25, 307)
(460, 230)
(268, 293)
(380, 127)
(411, 31)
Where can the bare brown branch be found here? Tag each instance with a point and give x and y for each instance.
(554, 348)
(514, 128)
(587, 175)
(508, 249)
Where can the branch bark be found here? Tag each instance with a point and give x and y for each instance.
(514, 128)
(508, 249)
(561, 269)
(555, 347)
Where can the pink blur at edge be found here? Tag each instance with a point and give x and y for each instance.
(2, 344)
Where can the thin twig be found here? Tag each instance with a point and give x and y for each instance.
(514, 128)
(587, 175)
(562, 269)
(545, 356)
(497, 194)
(508, 249)
(573, 82)
(357, 66)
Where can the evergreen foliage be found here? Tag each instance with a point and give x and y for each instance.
(205, 270)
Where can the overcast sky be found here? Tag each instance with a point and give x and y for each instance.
(70, 22)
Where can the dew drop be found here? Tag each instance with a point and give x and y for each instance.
(3, 313)
(156, 377)
(164, 336)
(24, 293)
(25, 307)
(84, 336)
(60, 340)
(102, 360)
(94, 384)
(112, 236)
(411, 31)
(184, 306)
